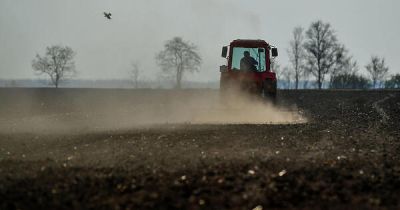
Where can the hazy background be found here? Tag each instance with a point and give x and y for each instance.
(139, 28)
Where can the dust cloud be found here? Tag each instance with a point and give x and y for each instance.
(103, 110)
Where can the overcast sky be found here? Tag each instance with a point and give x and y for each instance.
(139, 28)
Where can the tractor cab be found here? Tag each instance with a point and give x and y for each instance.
(248, 67)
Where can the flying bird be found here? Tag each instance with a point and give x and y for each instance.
(107, 15)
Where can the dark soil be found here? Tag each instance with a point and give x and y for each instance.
(347, 156)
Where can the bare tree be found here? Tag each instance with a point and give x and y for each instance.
(287, 75)
(393, 82)
(134, 74)
(179, 57)
(343, 61)
(296, 54)
(347, 80)
(276, 67)
(377, 69)
(306, 76)
(322, 50)
(57, 63)
(345, 65)
(352, 67)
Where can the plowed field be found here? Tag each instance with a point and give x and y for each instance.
(161, 149)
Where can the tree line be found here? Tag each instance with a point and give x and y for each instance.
(315, 52)
(176, 59)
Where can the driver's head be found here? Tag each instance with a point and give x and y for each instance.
(246, 53)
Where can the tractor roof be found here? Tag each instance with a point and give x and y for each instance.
(249, 43)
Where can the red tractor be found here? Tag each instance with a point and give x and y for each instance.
(248, 68)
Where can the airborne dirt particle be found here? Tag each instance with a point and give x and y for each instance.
(90, 113)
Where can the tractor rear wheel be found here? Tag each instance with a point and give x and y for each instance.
(269, 91)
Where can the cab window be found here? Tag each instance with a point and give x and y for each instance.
(258, 54)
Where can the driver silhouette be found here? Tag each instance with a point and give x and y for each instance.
(248, 63)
